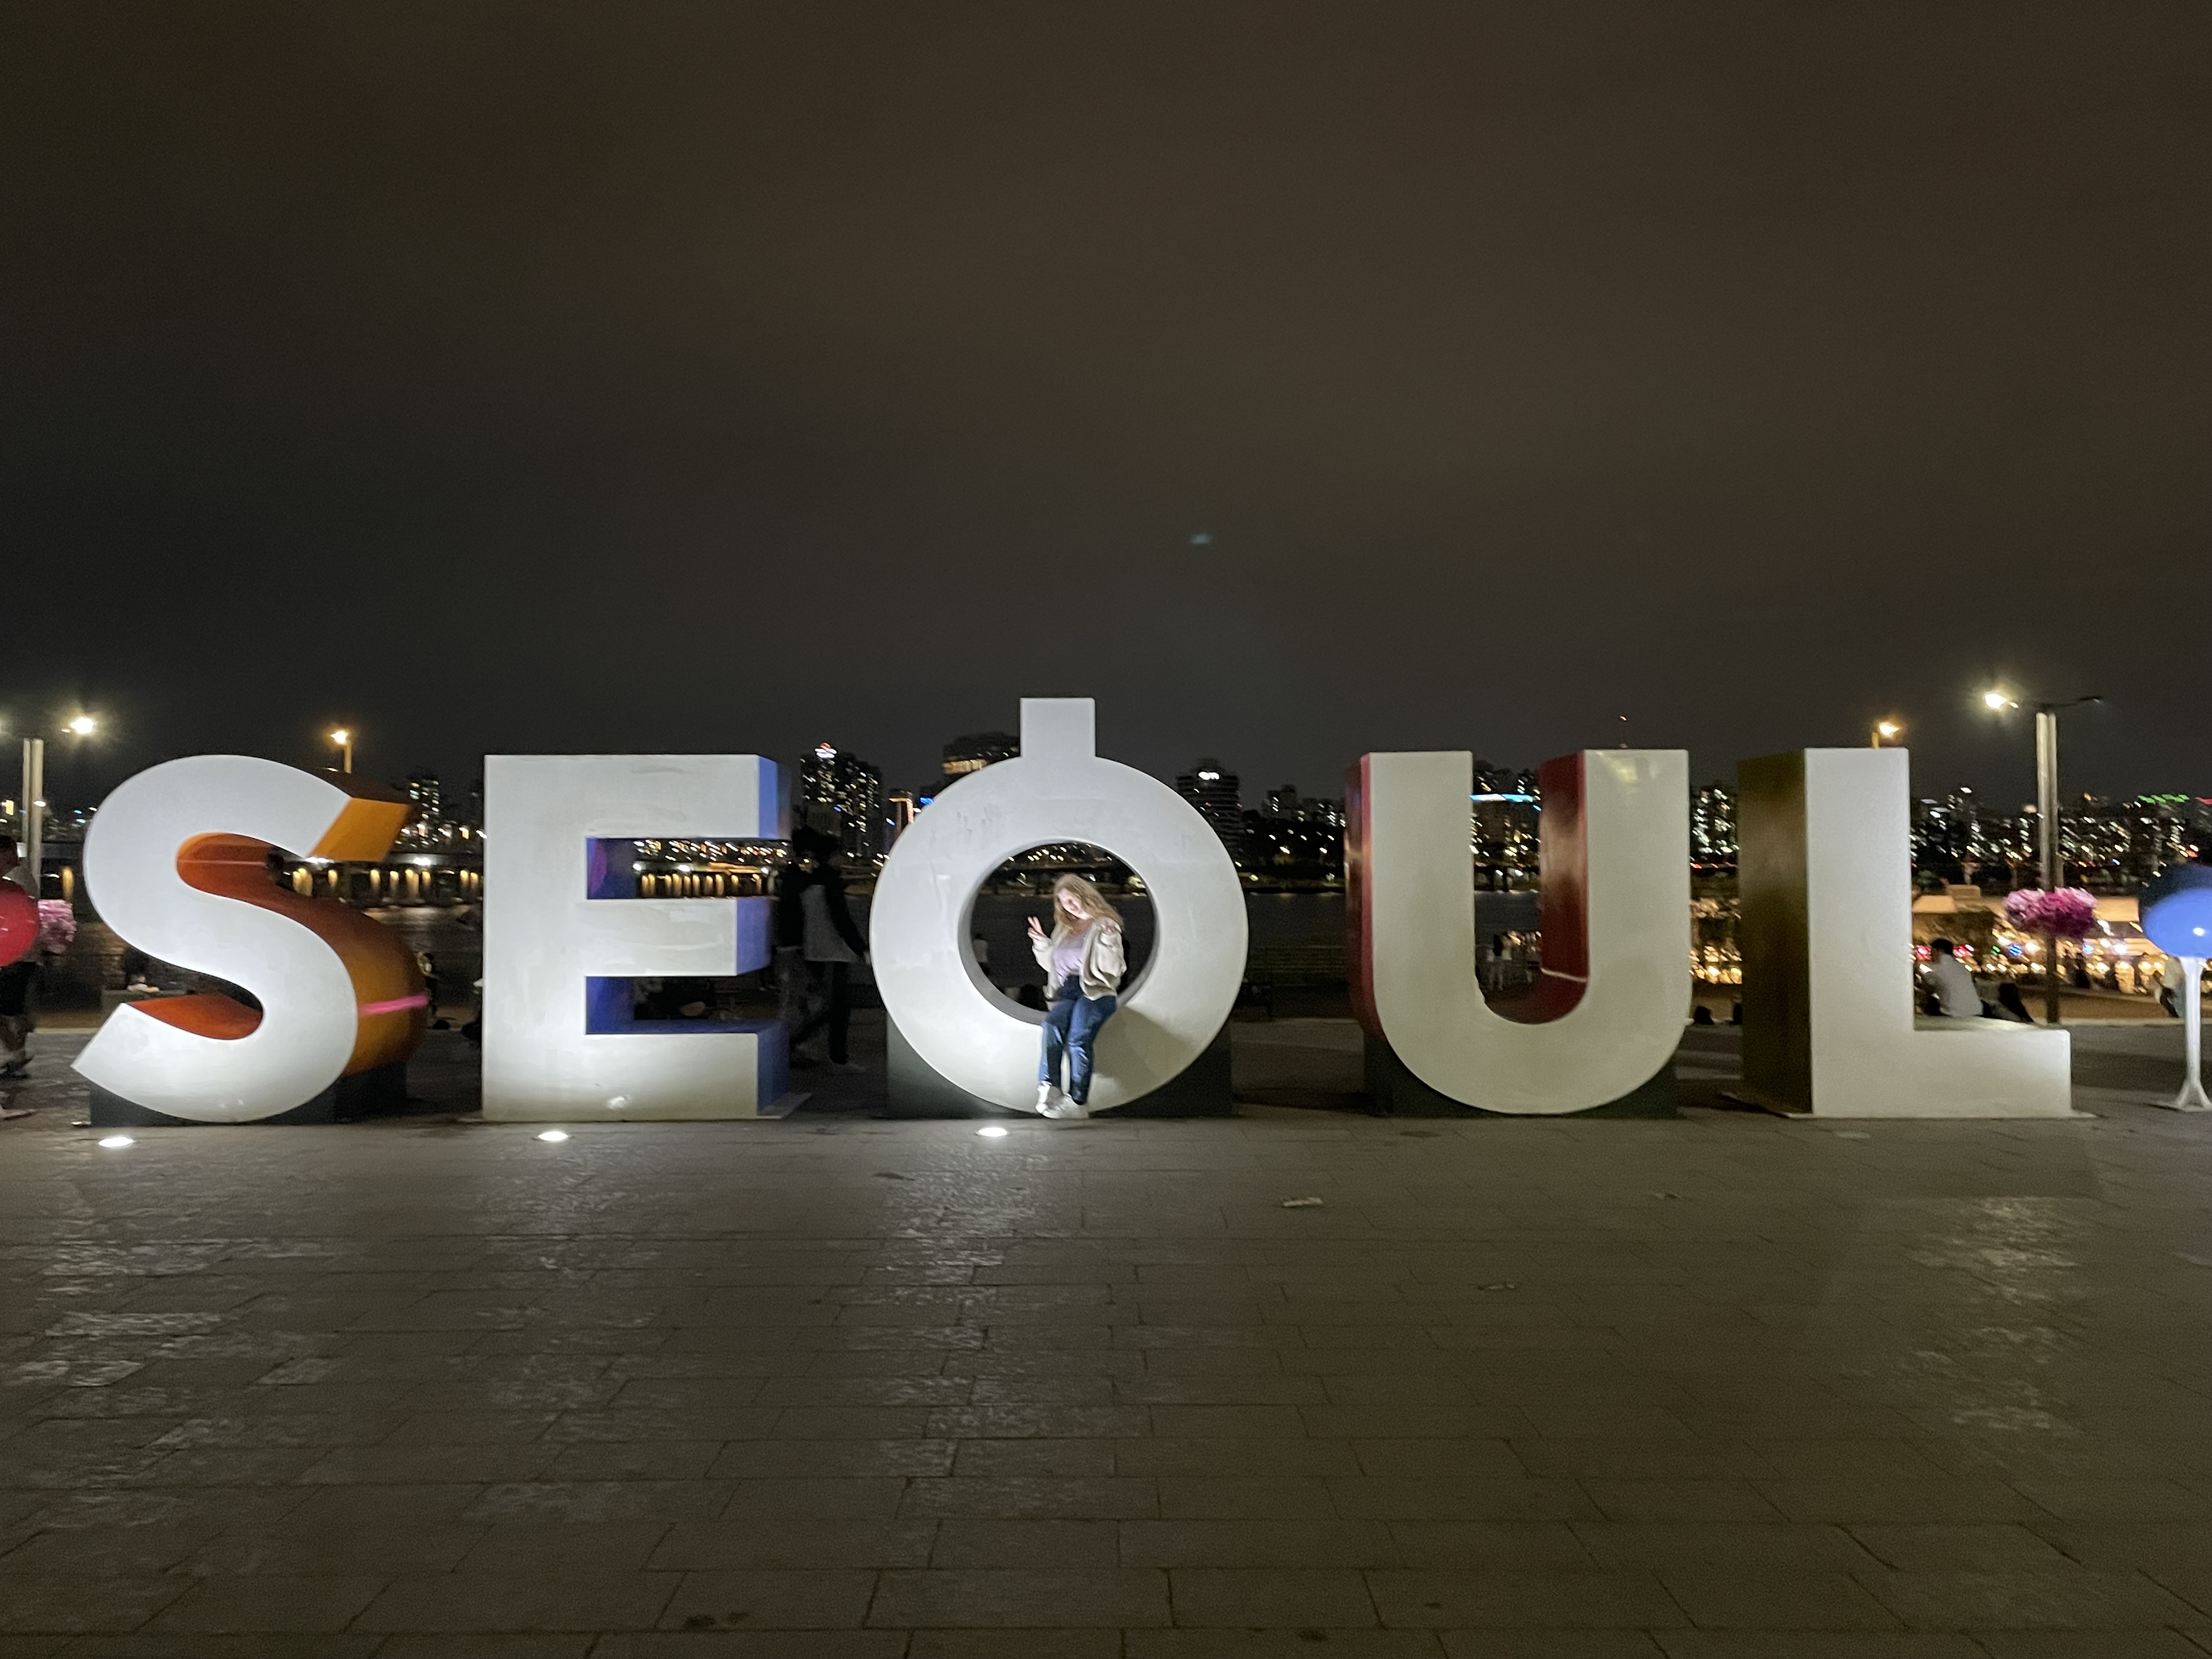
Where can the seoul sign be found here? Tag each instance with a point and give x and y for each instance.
(176, 863)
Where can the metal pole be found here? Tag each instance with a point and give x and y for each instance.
(2046, 842)
(349, 754)
(34, 809)
(2192, 1097)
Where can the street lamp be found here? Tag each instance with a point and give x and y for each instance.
(1886, 732)
(34, 798)
(1997, 700)
(343, 738)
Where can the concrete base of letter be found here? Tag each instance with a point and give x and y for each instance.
(914, 1088)
(384, 1089)
(1394, 1091)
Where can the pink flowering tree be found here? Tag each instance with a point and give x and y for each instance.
(56, 926)
(2066, 913)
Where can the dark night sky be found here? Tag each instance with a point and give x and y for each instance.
(727, 376)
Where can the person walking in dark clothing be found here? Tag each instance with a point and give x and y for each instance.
(18, 1015)
(831, 946)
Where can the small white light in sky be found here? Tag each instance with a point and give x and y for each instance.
(552, 1135)
(117, 1143)
(993, 1132)
(1201, 539)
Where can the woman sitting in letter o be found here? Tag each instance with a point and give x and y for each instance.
(1082, 960)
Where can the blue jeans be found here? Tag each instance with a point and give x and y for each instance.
(1071, 1025)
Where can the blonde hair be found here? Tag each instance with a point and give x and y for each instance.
(1088, 898)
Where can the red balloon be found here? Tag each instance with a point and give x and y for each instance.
(19, 923)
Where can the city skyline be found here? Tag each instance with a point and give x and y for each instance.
(81, 772)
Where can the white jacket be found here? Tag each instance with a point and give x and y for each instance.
(1103, 963)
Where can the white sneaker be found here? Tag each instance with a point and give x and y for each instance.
(1050, 1099)
(1064, 1109)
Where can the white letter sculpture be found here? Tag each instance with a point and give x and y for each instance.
(176, 862)
(1059, 789)
(564, 935)
(1825, 870)
(1606, 1015)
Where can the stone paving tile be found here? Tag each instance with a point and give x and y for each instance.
(315, 1548)
(2063, 1597)
(1038, 1597)
(995, 1543)
(740, 1645)
(636, 1499)
(1258, 1543)
(1243, 1597)
(1779, 1547)
(796, 1542)
(480, 1645)
(770, 1598)
(292, 1644)
(828, 1499)
(2105, 1644)
(60, 1603)
(456, 1601)
(525, 1548)
(1819, 1644)
(1548, 1644)
(270, 1602)
(1730, 1598)
(1595, 1599)
(1015, 1645)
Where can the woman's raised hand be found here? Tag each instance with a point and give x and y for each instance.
(1036, 928)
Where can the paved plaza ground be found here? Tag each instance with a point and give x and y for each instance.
(1722, 1387)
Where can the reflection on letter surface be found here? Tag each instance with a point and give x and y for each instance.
(1825, 874)
(562, 939)
(1607, 1015)
(176, 863)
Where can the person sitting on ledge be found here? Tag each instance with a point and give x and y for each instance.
(1083, 956)
(1953, 986)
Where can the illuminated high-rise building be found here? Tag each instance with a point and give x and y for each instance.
(1712, 827)
(428, 796)
(841, 795)
(1212, 788)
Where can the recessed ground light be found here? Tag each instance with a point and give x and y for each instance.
(117, 1143)
(993, 1132)
(553, 1134)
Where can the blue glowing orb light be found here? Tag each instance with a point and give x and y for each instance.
(2177, 911)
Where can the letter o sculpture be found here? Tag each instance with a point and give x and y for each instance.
(1059, 789)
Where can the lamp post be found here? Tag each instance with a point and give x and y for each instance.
(34, 800)
(343, 737)
(1884, 732)
(1997, 700)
